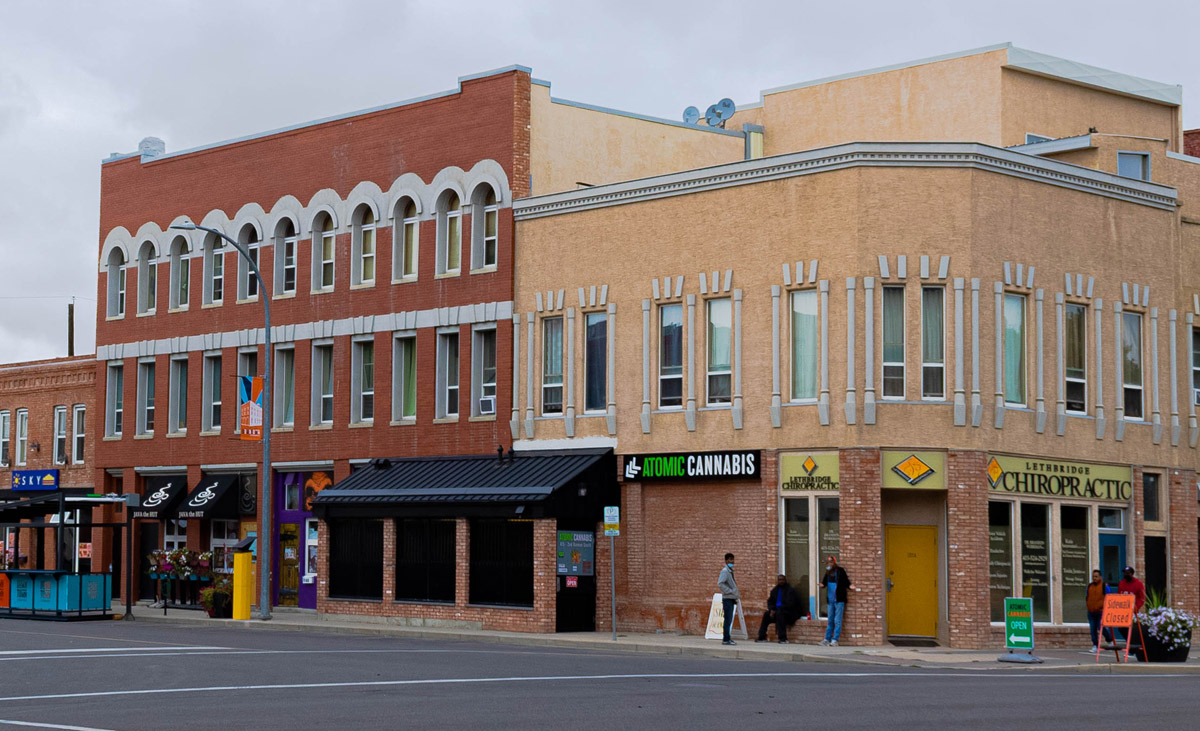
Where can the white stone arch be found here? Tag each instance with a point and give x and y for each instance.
(148, 232)
(328, 201)
(408, 185)
(286, 208)
(365, 193)
(447, 179)
(251, 214)
(118, 238)
(192, 237)
(491, 173)
(219, 220)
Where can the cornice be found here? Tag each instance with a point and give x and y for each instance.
(957, 155)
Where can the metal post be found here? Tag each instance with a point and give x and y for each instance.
(128, 563)
(264, 539)
(612, 578)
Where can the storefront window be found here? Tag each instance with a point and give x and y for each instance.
(291, 496)
(1074, 553)
(828, 538)
(1000, 556)
(1112, 519)
(224, 536)
(174, 534)
(796, 553)
(1035, 558)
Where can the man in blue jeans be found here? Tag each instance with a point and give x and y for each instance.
(729, 598)
(837, 585)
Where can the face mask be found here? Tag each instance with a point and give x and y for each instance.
(730, 564)
(829, 567)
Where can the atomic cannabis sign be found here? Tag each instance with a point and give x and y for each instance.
(687, 466)
(1047, 478)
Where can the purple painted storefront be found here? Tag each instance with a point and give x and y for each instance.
(295, 539)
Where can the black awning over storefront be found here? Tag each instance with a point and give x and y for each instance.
(216, 496)
(161, 496)
(533, 484)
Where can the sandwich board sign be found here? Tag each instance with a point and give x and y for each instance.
(1018, 623)
(716, 620)
(1118, 614)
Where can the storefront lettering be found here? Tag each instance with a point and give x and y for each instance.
(691, 466)
(1059, 479)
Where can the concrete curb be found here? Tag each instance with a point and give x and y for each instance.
(855, 657)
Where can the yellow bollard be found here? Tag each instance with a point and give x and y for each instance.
(243, 585)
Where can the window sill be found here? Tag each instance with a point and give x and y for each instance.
(281, 429)
(549, 417)
(405, 280)
(111, 318)
(669, 410)
(483, 417)
(172, 310)
(320, 427)
(360, 425)
(406, 421)
(447, 275)
(211, 433)
(147, 313)
(211, 305)
(922, 402)
(113, 438)
(1080, 415)
(246, 301)
(285, 296)
(485, 270)
(715, 407)
(806, 402)
(420, 602)
(325, 290)
(363, 285)
(592, 415)
(446, 420)
(177, 434)
(514, 607)
(1137, 422)
(149, 435)
(1017, 407)
(355, 599)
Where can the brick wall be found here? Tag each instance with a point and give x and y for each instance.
(1191, 142)
(1184, 554)
(861, 547)
(39, 386)
(967, 538)
(1136, 547)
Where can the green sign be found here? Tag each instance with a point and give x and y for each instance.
(1018, 623)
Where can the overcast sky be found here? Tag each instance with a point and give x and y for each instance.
(82, 79)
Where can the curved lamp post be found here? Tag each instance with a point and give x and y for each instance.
(264, 540)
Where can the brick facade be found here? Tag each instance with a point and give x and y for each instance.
(861, 544)
(967, 528)
(1183, 554)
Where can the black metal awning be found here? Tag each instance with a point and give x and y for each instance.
(214, 497)
(529, 484)
(161, 496)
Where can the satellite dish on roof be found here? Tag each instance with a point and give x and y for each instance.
(691, 115)
(713, 117)
(726, 107)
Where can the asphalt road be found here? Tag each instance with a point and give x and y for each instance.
(118, 675)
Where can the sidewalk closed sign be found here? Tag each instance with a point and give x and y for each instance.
(612, 520)
(1018, 623)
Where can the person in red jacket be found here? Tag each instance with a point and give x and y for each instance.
(1132, 585)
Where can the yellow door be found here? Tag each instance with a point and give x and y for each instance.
(910, 552)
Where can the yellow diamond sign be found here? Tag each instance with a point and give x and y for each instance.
(994, 472)
(809, 465)
(913, 470)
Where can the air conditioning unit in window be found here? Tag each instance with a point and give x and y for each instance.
(487, 405)
(1196, 396)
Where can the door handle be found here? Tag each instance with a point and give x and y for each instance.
(889, 584)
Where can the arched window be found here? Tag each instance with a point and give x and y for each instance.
(116, 283)
(147, 278)
(285, 257)
(404, 245)
(484, 223)
(247, 282)
(214, 269)
(449, 243)
(363, 247)
(323, 239)
(180, 272)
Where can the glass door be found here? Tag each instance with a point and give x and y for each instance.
(289, 565)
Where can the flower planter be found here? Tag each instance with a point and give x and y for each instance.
(1155, 650)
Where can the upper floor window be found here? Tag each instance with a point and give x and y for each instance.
(1075, 358)
(324, 249)
(60, 435)
(5, 436)
(1134, 165)
(116, 283)
(322, 384)
(485, 215)
(670, 356)
(247, 281)
(1131, 358)
(180, 272)
(1152, 498)
(552, 365)
(893, 342)
(211, 389)
(363, 246)
(1014, 349)
(114, 407)
(1196, 366)
(214, 268)
(805, 345)
(933, 343)
(447, 376)
(285, 387)
(449, 234)
(404, 245)
(595, 361)
(22, 436)
(483, 371)
(145, 412)
(147, 278)
(178, 407)
(285, 257)
(362, 382)
(247, 366)
(720, 351)
(404, 378)
(79, 434)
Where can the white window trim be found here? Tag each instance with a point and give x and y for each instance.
(246, 278)
(356, 245)
(180, 273)
(318, 257)
(356, 389)
(22, 453)
(1141, 387)
(708, 369)
(1068, 379)
(1195, 368)
(178, 395)
(281, 242)
(207, 391)
(405, 336)
(5, 436)
(214, 255)
(444, 216)
(477, 383)
(324, 349)
(60, 432)
(884, 363)
(791, 350)
(116, 280)
(479, 237)
(562, 375)
(78, 435)
(1145, 158)
(1025, 342)
(114, 403)
(147, 275)
(942, 330)
(280, 399)
(443, 382)
(682, 357)
(586, 374)
(400, 241)
(145, 426)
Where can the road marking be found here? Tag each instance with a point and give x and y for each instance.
(984, 675)
(81, 637)
(154, 652)
(50, 725)
(78, 650)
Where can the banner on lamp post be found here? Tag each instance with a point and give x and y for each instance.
(250, 407)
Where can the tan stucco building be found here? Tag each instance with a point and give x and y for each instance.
(902, 322)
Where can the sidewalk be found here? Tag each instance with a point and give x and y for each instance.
(674, 644)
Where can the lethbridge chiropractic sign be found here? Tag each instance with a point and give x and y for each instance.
(1074, 480)
(686, 466)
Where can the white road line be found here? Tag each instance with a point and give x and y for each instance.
(80, 650)
(50, 725)
(983, 675)
(232, 651)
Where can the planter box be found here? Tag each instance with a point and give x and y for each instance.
(1155, 650)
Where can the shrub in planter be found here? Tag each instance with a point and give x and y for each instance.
(217, 599)
(1167, 632)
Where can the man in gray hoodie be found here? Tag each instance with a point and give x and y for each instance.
(729, 598)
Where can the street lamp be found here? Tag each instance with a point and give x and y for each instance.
(264, 540)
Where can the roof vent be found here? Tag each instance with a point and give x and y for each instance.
(381, 463)
(152, 147)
